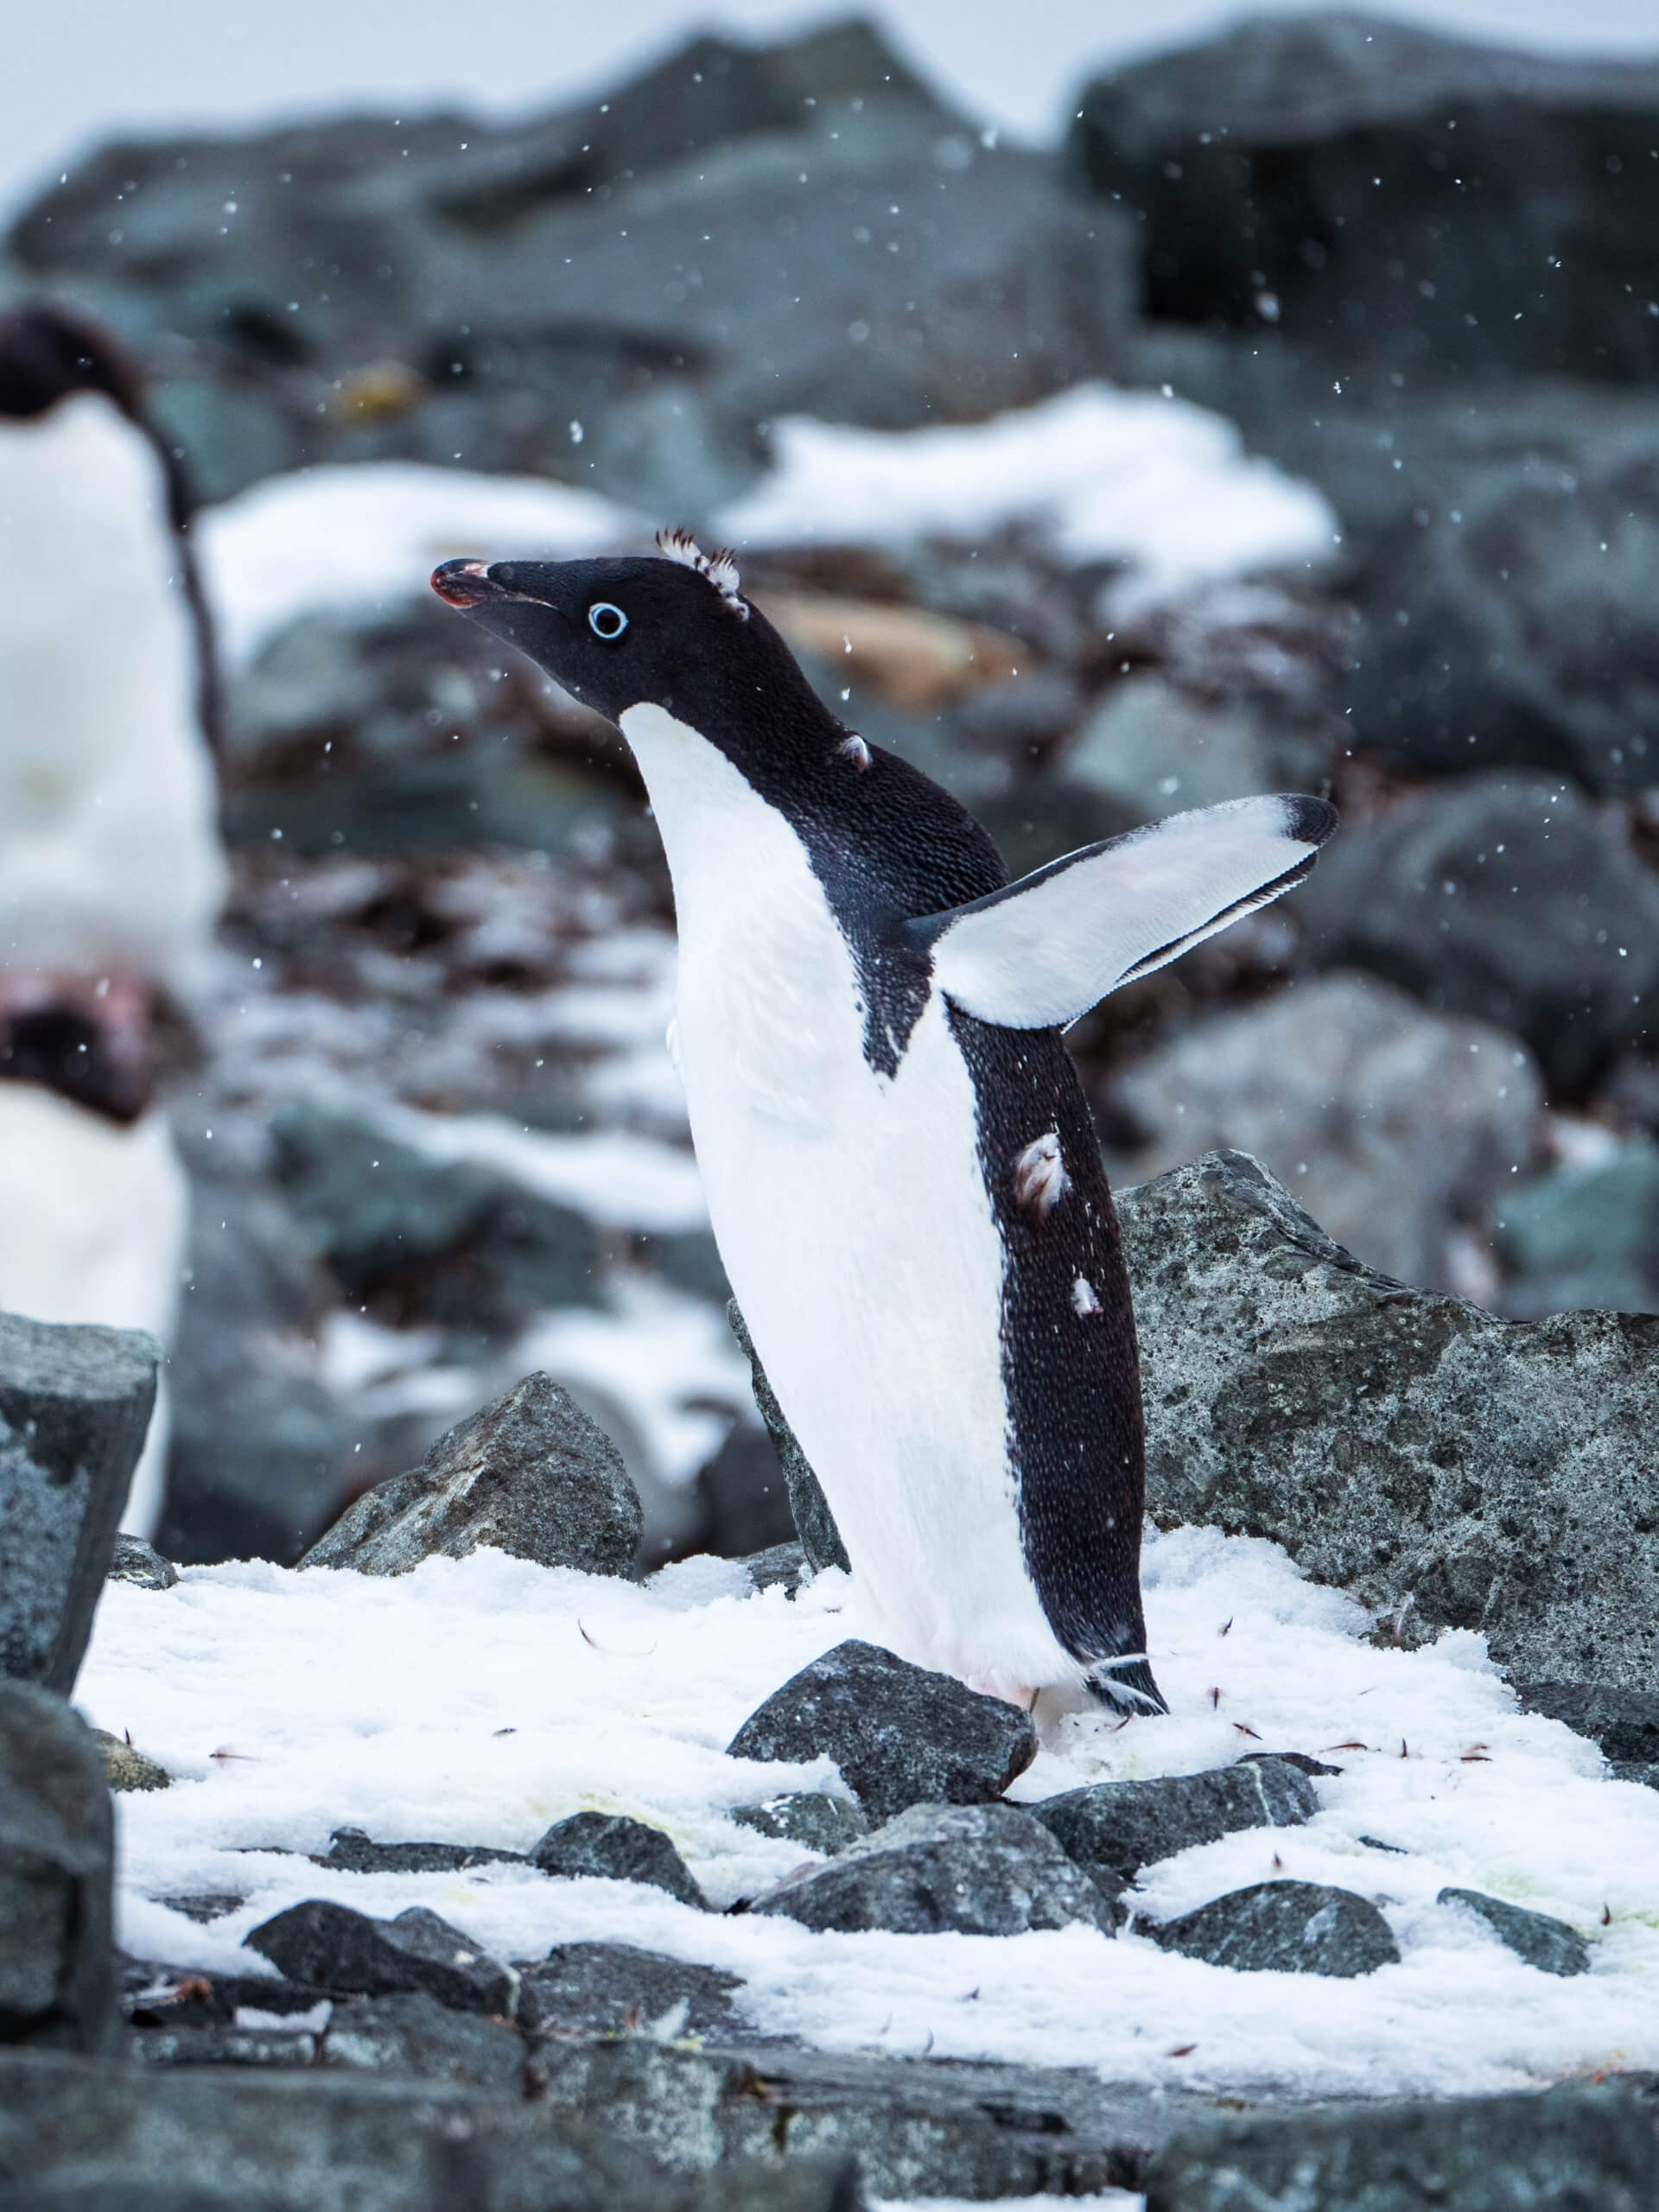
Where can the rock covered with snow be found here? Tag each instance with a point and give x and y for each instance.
(1538, 1937)
(75, 1403)
(901, 1735)
(57, 1847)
(1452, 1470)
(981, 1870)
(1285, 1928)
(614, 1847)
(1115, 1829)
(531, 1475)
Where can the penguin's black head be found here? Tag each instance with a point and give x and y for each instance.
(671, 633)
(47, 354)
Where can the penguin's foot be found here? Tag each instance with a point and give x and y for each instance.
(1126, 1684)
(999, 1685)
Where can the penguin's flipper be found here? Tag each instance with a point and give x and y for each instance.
(1039, 952)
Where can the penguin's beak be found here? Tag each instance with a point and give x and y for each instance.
(465, 583)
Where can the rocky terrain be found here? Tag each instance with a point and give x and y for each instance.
(1294, 424)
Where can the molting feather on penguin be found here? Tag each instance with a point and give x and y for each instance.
(111, 869)
(901, 1167)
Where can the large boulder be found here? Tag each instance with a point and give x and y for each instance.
(1452, 1470)
(1381, 193)
(57, 1846)
(74, 1406)
(1398, 1128)
(531, 1475)
(1509, 898)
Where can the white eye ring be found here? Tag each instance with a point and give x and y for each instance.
(606, 622)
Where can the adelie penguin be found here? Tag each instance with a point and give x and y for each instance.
(900, 1163)
(111, 869)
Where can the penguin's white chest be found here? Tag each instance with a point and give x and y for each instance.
(852, 1215)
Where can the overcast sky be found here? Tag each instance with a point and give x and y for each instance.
(81, 70)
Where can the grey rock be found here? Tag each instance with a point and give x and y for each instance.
(781, 1565)
(1636, 1771)
(261, 1456)
(1159, 750)
(1398, 1129)
(1506, 898)
(204, 1906)
(1284, 1927)
(1623, 1718)
(1115, 1829)
(1583, 2148)
(814, 1522)
(412, 2033)
(806, 1817)
(615, 1848)
(901, 1735)
(1548, 1944)
(1584, 1236)
(918, 2128)
(744, 1497)
(588, 1989)
(57, 1974)
(74, 1406)
(427, 1240)
(126, 1767)
(330, 1947)
(138, 1562)
(352, 1851)
(304, 2139)
(530, 1474)
(1452, 1470)
(1297, 174)
(981, 1870)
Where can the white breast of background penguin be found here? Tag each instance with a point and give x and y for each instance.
(109, 854)
(852, 1215)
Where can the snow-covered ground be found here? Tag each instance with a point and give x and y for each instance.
(478, 1702)
(1154, 483)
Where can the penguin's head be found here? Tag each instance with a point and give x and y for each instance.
(48, 354)
(671, 632)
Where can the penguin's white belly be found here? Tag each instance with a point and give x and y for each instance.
(851, 1212)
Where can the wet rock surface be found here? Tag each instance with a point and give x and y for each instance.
(1284, 1927)
(616, 1848)
(531, 1475)
(981, 1870)
(806, 1817)
(1115, 1829)
(587, 1989)
(1535, 1938)
(331, 1948)
(1453, 1470)
(74, 1407)
(900, 1734)
(57, 1984)
(1576, 2145)
(814, 1522)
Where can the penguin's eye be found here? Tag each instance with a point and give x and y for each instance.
(606, 622)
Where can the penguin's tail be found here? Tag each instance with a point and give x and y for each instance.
(1125, 1683)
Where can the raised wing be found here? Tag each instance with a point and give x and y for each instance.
(1039, 952)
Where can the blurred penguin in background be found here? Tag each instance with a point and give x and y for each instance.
(111, 874)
